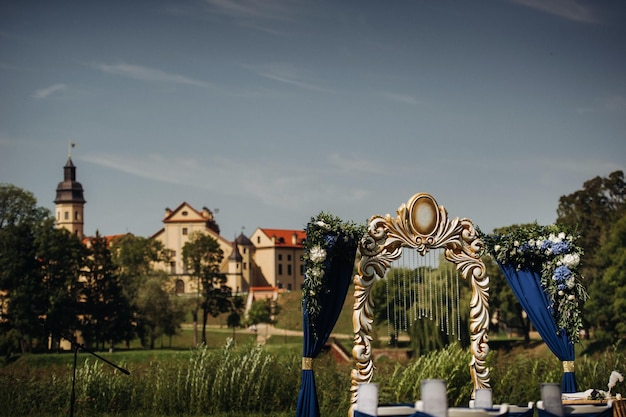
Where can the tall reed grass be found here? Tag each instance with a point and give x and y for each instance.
(251, 381)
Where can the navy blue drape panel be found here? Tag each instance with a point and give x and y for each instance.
(338, 276)
(526, 285)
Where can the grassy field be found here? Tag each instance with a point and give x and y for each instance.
(178, 379)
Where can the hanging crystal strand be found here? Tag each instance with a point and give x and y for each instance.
(420, 287)
(458, 306)
(388, 317)
(400, 309)
(447, 299)
(414, 286)
(430, 292)
(405, 292)
(442, 316)
(396, 308)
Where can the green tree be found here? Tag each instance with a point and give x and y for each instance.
(592, 211)
(236, 311)
(134, 257)
(20, 273)
(106, 311)
(203, 256)
(158, 311)
(606, 307)
(61, 257)
(260, 312)
(19, 207)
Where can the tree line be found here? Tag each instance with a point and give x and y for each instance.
(53, 285)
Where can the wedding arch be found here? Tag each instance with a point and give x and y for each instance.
(421, 225)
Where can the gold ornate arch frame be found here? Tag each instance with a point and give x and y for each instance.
(420, 224)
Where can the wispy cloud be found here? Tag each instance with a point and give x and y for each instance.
(566, 9)
(303, 185)
(288, 74)
(46, 92)
(148, 74)
(612, 105)
(253, 9)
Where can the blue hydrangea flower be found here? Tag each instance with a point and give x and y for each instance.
(561, 274)
(560, 247)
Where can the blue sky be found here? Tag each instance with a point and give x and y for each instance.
(272, 111)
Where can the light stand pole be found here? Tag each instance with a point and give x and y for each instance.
(76, 347)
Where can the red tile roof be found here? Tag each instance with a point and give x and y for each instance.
(284, 237)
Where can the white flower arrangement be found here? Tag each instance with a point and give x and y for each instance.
(327, 238)
(553, 252)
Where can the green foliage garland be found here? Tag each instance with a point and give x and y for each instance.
(327, 238)
(552, 251)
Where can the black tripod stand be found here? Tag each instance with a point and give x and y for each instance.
(76, 347)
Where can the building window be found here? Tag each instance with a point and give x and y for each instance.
(66, 215)
(185, 231)
(288, 257)
(280, 269)
(180, 286)
(245, 266)
(76, 215)
(184, 213)
(172, 267)
(280, 257)
(288, 287)
(258, 239)
(289, 269)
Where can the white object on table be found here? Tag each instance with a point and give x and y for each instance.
(367, 399)
(551, 398)
(435, 397)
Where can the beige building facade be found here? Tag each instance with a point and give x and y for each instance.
(269, 258)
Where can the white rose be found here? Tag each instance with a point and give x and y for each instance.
(562, 235)
(571, 297)
(571, 259)
(516, 243)
(497, 248)
(317, 254)
(322, 224)
(531, 242)
(561, 293)
(571, 283)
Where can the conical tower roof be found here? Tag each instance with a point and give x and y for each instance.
(69, 190)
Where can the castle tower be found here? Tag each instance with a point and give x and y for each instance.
(70, 203)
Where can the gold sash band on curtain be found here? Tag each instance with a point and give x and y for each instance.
(568, 366)
(307, 364)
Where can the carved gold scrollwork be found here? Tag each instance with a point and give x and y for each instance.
(422, 225)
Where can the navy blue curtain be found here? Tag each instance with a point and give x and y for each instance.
(338, 275)
(526, 284)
